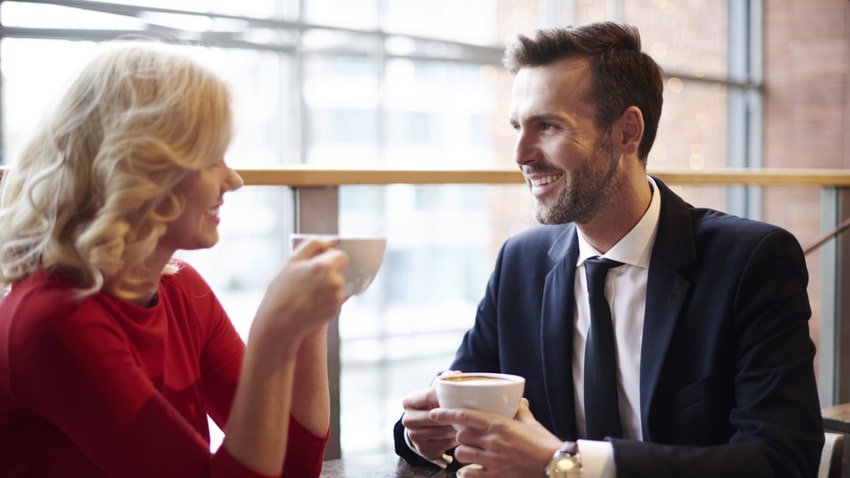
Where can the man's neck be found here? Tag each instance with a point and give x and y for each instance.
(619, 216)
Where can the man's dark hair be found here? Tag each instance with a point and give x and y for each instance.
(623, 76)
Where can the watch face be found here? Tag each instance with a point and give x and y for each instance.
(563, 467)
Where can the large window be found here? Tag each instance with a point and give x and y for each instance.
(391, 83)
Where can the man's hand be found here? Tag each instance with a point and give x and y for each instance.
(429, 438)
(503, 447)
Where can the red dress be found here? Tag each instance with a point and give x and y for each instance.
(103, 387)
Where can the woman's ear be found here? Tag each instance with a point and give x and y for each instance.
(630, 130)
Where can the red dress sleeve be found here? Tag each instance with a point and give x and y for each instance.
(105, 388)
(304, 452)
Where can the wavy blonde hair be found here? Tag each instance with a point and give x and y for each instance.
(93, 191)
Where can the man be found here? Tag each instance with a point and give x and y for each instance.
(713, 361)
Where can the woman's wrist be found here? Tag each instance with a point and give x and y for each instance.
(273, 342)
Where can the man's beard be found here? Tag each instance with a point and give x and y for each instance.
(585, 190)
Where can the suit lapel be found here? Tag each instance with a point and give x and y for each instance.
(556, 335)
(666, 292)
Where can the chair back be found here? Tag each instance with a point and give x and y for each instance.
(832, 456)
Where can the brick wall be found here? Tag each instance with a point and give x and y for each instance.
(806, 116)
(807, 83)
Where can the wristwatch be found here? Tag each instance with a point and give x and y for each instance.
(565, 463)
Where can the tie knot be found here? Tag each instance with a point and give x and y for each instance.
(596, 268)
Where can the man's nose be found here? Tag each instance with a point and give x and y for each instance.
(524, 149)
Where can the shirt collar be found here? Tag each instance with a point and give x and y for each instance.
(635, 248)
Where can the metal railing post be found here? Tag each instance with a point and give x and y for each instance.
(834, 335)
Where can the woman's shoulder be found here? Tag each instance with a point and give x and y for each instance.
(182, 282)
(179, 273)
(41, 290)
(38, 307)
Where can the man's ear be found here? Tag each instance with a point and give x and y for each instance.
(629, 130)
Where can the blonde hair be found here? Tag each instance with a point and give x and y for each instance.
(92, 193)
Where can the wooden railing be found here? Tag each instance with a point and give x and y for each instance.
(309, 176)
(305, 176)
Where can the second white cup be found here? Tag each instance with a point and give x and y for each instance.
(498, 393)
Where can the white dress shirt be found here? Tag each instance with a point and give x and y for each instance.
(625, 288)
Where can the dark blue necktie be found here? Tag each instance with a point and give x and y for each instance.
(601, 403)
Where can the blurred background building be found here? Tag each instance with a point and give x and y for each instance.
(418, 84)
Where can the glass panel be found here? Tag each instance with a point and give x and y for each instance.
(29, 87)
(253, 8)
(341, 99)
(442, 243)
(692, 130)
(439, 114)
(264, 116)
(685, 36)
(56, 16)
(469, 21)
(350, 13)
(112, 16)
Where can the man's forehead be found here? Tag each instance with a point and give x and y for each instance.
(575, 70)
(558, 84)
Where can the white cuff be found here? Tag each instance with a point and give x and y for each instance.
(597, 459)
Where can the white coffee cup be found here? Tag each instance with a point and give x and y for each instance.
(365, 255)
(498, 393)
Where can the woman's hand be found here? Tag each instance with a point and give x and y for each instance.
(305, 294)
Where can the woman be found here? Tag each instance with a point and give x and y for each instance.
(112, 353)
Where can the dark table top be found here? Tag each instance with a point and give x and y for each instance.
(379, 466)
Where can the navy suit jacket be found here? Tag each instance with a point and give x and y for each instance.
(727, 385)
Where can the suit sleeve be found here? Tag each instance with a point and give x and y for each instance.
(775, 418)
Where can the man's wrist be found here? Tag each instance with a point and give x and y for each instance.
(565, 462)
